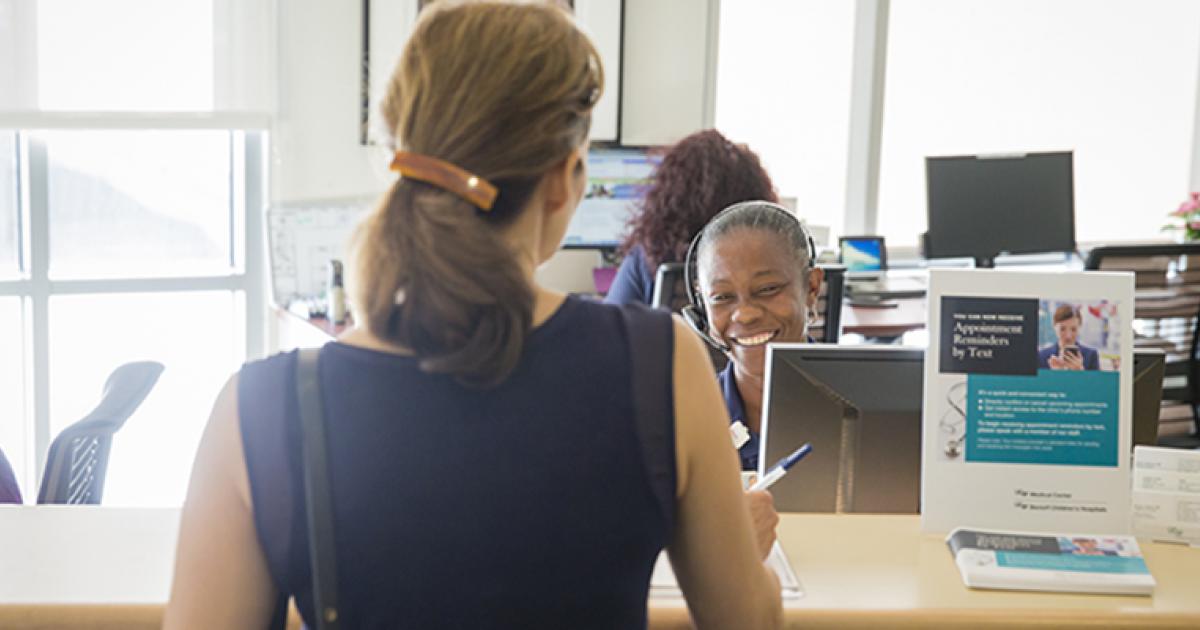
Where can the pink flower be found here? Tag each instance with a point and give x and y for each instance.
(1189, 209)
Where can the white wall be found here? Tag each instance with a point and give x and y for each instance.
(315, 150)
(670, 52)
(669, 81)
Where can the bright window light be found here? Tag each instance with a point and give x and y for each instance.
(198, 336)
(14, 427)
(125, 55)
(139, 203)
(1113, 81)
(783, 88)
(9, 206)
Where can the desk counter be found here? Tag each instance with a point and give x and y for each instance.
(89, 567)
(880, 571)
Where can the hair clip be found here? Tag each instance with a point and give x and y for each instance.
(471, 188)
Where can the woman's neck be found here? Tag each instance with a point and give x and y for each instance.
(750, 387)
(545, 303)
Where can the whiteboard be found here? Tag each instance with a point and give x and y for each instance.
(302, 237)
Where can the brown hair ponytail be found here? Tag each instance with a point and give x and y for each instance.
(504, 91)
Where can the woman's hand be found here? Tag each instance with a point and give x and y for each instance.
(765, 520)
(1068, 361)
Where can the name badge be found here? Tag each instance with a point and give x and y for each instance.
(739, 433)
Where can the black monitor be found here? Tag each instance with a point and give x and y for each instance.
(618, 178)
(860, 407)
(981, 206)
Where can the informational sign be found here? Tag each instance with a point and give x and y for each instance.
(1027, 417)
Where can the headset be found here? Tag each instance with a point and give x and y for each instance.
(694, 313)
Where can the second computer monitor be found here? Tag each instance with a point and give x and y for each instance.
(618, 178)
(862, 253)
(981, 206)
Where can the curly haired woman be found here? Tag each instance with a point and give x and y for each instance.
(700, 176)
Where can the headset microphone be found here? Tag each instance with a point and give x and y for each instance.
(697, 323)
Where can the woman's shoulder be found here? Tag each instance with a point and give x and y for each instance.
(260, 374)
(615, 314)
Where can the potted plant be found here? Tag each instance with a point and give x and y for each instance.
(1188, 215)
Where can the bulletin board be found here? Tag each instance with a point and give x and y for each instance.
(303, 237)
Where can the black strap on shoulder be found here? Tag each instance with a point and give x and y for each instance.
(651, 337)
(317, 493)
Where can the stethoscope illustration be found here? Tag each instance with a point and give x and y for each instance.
(954, 421)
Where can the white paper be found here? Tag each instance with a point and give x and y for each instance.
(1166, 494)
(1039, 448)
(663, 583)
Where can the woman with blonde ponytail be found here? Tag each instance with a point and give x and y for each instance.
(498, 455)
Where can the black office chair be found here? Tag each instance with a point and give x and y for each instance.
(78, 457)
(670, 293)
(1167, 315)
(828, 327)
(10, 490)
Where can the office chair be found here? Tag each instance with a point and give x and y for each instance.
(10, 490)
(828, 327)
(669, 292)
(78, 457)
(1167, 316)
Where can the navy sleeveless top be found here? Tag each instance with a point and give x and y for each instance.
(526, 505)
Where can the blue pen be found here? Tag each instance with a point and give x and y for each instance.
(779, 470)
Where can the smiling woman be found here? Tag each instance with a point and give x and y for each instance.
(757, 284)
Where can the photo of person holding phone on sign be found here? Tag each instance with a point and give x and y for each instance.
(1067, 353)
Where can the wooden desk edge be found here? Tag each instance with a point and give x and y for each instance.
(95, 616)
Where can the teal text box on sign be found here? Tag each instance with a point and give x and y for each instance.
(1067, 562)
(1059, 417)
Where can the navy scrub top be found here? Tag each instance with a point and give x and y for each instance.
(634, 282)
(748, 453)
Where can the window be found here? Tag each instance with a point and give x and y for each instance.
(137, 252)
(139, 203)
(1113, 81)
(783, 88)
(123, 56)
(9, 207)
(159, 57)
(131, 198)
(14, 434)
(197, 335)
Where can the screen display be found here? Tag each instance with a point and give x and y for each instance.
(617, 181)
(862, 254)
(982, 206)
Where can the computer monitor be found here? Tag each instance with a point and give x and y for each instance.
(981, 206)
(1149, 368)
(618, 178)
(862, 253)
(860, 407)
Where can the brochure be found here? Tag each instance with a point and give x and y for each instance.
(1166, 494)
(1033, 562)
(1027, 415)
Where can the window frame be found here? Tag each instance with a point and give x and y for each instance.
(247, 271)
